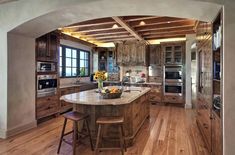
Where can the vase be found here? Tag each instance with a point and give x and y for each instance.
(100, 85)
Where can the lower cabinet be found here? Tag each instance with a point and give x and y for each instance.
(173, 99)
(216, 135)
(155, 95)
(46, 106)
(209, 124)
(64, 106)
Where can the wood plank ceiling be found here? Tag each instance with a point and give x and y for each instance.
(114, 29)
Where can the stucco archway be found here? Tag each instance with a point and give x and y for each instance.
(31, 16)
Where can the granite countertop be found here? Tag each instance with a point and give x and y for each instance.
(75, 85)
(90, 97)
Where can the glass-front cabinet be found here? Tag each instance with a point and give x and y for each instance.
(173, 54)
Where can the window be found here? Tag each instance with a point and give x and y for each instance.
(74, 62)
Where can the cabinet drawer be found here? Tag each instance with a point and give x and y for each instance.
(66, 91)
(173, 99)
(46, 106)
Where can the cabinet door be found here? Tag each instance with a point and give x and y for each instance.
(47, 106)
(216, 135)
(64, 106)
(154, 55)
(204, 121)
(168, 51)
(53, 48)
(178, 50)
(47, 48)
(41, 47)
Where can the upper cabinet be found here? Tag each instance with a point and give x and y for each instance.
(47, 47)
(131, 53)
(154, 55)
(173, 53)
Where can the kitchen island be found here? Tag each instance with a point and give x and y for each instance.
(132, 105)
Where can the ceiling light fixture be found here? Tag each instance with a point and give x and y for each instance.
(168, 22)
(142, 23)
(115, 26)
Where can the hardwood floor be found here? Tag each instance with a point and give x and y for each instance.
(169, 131)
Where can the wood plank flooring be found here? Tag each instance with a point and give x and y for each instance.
(169, 131)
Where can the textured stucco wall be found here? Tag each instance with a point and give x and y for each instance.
(21, 82)
(51, 17)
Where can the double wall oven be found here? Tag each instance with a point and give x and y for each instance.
(46, 79)
(46, 85)
(173, 80)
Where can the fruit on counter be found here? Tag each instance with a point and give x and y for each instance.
(111, 90)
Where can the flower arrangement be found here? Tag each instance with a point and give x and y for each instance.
(100, 76)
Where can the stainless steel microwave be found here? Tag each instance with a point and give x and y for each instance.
(46, 67)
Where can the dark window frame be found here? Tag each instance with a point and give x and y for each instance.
(63, 66)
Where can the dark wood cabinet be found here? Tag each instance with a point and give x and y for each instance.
(47, 50)
(64, 106)
(47, 47)
(47, 106)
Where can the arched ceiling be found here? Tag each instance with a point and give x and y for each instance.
(39, 17)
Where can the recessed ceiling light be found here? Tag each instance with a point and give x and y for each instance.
(115, 26)
(168, 22)
(142, 23)
(60, 28)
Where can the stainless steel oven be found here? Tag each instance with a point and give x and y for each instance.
(175, 89)
(46, 67)
(173, 74)
(46, 85)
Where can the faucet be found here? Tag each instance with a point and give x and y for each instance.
(78, 78)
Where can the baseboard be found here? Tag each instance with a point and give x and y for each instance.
(188, 106)
(3, 134)
(21, 129)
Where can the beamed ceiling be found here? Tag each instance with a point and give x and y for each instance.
(114, 29)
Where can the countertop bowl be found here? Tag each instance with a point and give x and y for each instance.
(111, 95)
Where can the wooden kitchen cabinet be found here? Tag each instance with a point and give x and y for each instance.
(154, 52)
(173, 53)
(46, 106)
(216, 135)
(155, 94)
(47, 47)
(204, 121)
(64, 106)
(131, 53)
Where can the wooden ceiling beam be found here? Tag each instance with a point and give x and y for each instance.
(110, 38)
(174, 29)
(113, 36)
(104, 31)
(117, 39)
(169, 33)
(128, 28)
(104, 34)
(165, 26)
(165, 36)
(156, 21)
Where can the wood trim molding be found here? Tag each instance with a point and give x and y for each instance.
(67, 37)
(17, 130)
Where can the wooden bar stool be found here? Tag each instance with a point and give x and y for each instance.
(75, 117)
(110, 121)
